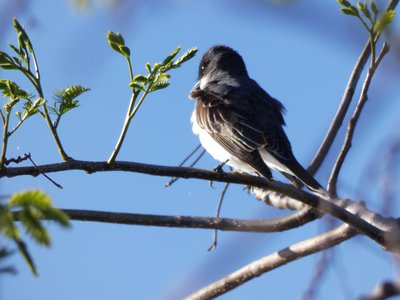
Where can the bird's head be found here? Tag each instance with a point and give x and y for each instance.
(219, 64)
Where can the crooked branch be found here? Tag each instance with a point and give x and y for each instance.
(273, 261)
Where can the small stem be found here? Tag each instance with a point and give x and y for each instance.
(45, 114)
(332, 182)
(132, 109)
(5, 140)
(136, 108)
(130, 68)
(57, 121)
(2, 117)
(128, 120)
(16, 127)
(61, 150)
(372, 43)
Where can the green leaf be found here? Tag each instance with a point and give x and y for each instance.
(12, 90)
(17, 61)
(23, 38)
(125, 51)
(162, 77)
(374, 8)
(31, 197)
(344, 3)
(185, 57)
(10, 104)
(136, 86)
(23, 249)
(148, 67)
(16, 50)
(351, 11)
(364, 9)
(140, 78)
(5, 58)
(65, 99)
(115, 38)
(384, 20)
(156, 67)
(170, 57)
(30, 219)
(31, 108)
(158, 86)
(8, 66)
(71, 92)
(7, 226)
(117, 43)
(56, 215)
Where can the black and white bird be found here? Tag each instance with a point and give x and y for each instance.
(239, 123)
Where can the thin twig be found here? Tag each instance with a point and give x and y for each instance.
(174, 179)
(44, 174)
(17, 160)
(221, 199)
(332, 183)
(341, 112)
(273, 261)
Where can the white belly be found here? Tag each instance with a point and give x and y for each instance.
(219, 153)
(216, 150)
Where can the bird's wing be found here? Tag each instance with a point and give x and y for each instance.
(246, 117)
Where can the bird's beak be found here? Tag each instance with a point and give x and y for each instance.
(196, 91)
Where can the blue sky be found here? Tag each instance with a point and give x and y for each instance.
(301, 52)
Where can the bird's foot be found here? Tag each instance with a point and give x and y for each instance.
(219, 167)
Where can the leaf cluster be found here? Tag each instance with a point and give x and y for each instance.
(33, 206)
(25, 62)
(368, 14)
(158, 77)
(65, 100)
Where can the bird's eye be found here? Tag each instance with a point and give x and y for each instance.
(202, 68)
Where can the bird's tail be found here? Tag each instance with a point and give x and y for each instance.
(302, 175)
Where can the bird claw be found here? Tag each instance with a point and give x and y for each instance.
(219, 167)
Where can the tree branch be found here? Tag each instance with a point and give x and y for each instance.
(342, 110)
(344, 104)
(332, 183)
(227, 224)
(382, 230)
(273, 261)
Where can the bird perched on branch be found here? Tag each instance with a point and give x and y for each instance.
(240, 124)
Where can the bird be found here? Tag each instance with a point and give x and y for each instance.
(239, 123)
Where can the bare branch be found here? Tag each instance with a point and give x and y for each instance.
(273, 261)
(226, 224)
(342, 110)
(382, 230)
(332, 183)
(344, 104)
(220, 200)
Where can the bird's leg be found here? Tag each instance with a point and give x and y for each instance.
(219, 167)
